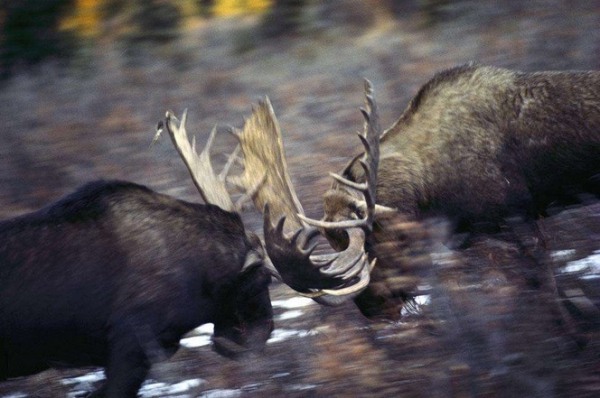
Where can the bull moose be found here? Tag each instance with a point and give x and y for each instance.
(476, 145)
(114, 274)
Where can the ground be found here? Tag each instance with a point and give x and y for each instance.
(483, 332)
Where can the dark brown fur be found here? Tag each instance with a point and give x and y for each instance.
(114, 274)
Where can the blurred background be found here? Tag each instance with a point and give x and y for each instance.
(84, 82)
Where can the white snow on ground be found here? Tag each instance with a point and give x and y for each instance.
(563, 254)
(589, 267)
(290, 315)
(292, 303)
(221, 394)
(207, 328)
(91, 377)
(279, 335)
(201, 336)
(415, 307)
(151, 389)
(195, 341)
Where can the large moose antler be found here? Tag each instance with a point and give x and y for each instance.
(212, 187)
(265, 166)
(266, 181)
(344, 273)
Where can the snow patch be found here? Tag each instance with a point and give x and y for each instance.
(279, 335)
(221, 394)
(290, 315)
(199, 337)
(91, 377)
(589, 266)
(562, 254)
(195, 341)
(151, 389)
(292, 303)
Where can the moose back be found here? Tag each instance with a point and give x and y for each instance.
(479, 143)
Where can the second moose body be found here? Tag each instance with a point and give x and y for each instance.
(115, 274)
(479, 143)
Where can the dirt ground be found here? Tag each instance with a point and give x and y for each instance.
(483, 332)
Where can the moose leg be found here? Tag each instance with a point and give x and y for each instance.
(127, 367)
(538, 275)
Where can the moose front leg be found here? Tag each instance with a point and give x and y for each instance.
(127, 367)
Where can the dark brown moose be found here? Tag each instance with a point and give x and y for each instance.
(476, 145)
(114, 274)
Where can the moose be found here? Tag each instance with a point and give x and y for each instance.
(115, 274)
(476, 145)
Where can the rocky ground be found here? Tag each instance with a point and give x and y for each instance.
(482, 332)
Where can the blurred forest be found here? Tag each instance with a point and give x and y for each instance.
(84, 82)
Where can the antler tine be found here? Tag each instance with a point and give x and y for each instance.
(342, 268)
(369, 163)
(363, 281)
(349, 291)
(344, 271)
(250, 192)
(231, 159)
(345, 224)
(351, 184)
(211, 187)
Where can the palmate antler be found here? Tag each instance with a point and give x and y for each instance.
(344, 273)
(265, 165)
(212, 187)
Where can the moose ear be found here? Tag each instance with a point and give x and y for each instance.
(253, 276)
(253, 259)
